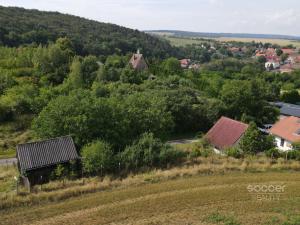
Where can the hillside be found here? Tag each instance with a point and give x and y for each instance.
(20, 26)
(219, 199)
(178, 33)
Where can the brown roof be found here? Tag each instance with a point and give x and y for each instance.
(138, 62)
(287, 128)
(226, 132)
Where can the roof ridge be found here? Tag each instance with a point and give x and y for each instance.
(236, 121)
(46, 140)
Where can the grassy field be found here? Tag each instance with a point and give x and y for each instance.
(219, 199)
(13, 133)
(210, 191)
(185, 41)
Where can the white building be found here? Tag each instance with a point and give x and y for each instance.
(272, 65)
(286, 132)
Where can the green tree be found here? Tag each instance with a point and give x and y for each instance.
(290, 97)
(131, 76)
(254, 141)
(53, 62)
(97, 157)
(262, 59)
(284, 57)
(149, 151)
(249, 99)
(171, 66)
(89, 68)
(279, 52)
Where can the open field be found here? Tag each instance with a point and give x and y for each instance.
(281, 42)
(220, 199)
(185, 41)
(210, 191)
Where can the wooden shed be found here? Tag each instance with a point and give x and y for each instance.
(37, 160)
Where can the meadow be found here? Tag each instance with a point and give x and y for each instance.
(176, 41)
(209, 190)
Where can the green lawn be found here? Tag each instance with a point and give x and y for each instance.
(6, 154)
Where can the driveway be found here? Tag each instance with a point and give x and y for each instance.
(4, 162)
(182, 141)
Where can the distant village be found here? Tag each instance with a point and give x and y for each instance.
(283, 60)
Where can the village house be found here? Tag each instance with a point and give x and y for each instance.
(185, 63)
(138, 62)
(272, 65)
(286, 132)
(288, 51)
(37, 160)
(226, 133)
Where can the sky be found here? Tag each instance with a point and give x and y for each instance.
(232, 16)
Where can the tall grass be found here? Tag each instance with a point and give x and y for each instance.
(57, 190)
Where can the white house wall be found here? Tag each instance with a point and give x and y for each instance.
(287, 146)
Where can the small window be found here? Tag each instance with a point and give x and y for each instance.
(282, 142)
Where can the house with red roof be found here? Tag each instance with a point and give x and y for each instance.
(288, 51)
(138, 62)
(286, 132)
(185, 63)
(226, 133)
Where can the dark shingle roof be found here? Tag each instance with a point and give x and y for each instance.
(290, 110)
(46, 153)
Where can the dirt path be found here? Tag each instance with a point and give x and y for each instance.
(11, 161)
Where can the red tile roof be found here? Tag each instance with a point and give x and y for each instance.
(185, 62)
(225, 133)
(287, 129)
(288, 51)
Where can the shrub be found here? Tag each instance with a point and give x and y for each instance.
(169, 155)
(149, 151)
(97, 157)
(294, 154)
(273, 153)
(234, 152)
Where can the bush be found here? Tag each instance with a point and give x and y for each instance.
(169, 155)
(294, 154)
(234, 152)
(201, 149)
(273, 153)
(254, 141)
(149, 151)
(97, 157)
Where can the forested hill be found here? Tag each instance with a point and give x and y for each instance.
(20, 26)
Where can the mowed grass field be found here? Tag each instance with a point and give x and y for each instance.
(186, 41)
(210, 199)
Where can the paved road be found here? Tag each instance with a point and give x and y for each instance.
(182, 141)
(4, 162)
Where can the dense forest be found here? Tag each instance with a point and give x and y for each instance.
(22, 27)
(63, 75)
